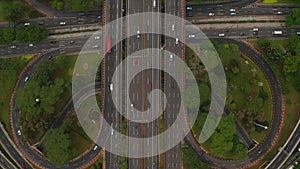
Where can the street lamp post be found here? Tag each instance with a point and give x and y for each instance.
(265, 127)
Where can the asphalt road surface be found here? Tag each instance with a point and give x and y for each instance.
(112, 59)
(173, 157)
(67, 46)
(288, 149)
(143, 83)
(14, 154)
(5, 163)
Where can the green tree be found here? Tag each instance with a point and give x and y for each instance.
(191, 160)
(222, 139)
(13, 12)
(21, 33)
(293, 18)
(294, 45)
(58, 145)
(8, 35)
(271, 50)
(291, 65)
(31, 33)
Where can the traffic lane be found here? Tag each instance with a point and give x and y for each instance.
(23, 49)
(228, 4)
(61, 21)
(173, 156)
(239, 12)
(287, 150)
(4, 163)
(152, 76)
(134, 44)
(239, 33)
(5, 142)
(115, 29)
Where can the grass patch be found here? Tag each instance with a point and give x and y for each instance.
(79, 143)
(281, 2)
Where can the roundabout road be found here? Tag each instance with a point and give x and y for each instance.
(87, 159)
(269, 141)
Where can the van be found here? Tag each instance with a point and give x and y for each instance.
(171, 57)
(154, 3)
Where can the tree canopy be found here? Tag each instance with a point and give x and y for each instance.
(293, 19)
(58, 145)
(14, 11)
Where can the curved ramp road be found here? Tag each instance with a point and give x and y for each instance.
(82, 162)
(275, 127)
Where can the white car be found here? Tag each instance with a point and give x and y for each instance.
(111, 87)
(232, 13)
(95, 148)
(13, 46)
(176, 41)
(279, 13)
(255, 29)
(192, 36)
(173, 27)
(26, 24)
(26, 79)
(138, 34)
(97, 37)
(131, 105)
(19, 132)
(95, 46)
(62, 23)
(30, 45)
(112, 131)
(232, 10)
(171, 57)
(221, 35)
(211, 14)
(189, 8)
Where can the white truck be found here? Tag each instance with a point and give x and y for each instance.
(277, 32)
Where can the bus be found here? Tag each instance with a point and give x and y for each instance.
(108, 44)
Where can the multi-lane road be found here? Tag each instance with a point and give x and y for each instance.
(175, 27)
(146, 45)
(112, 35)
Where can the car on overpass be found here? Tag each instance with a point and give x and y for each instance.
(108, 44)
